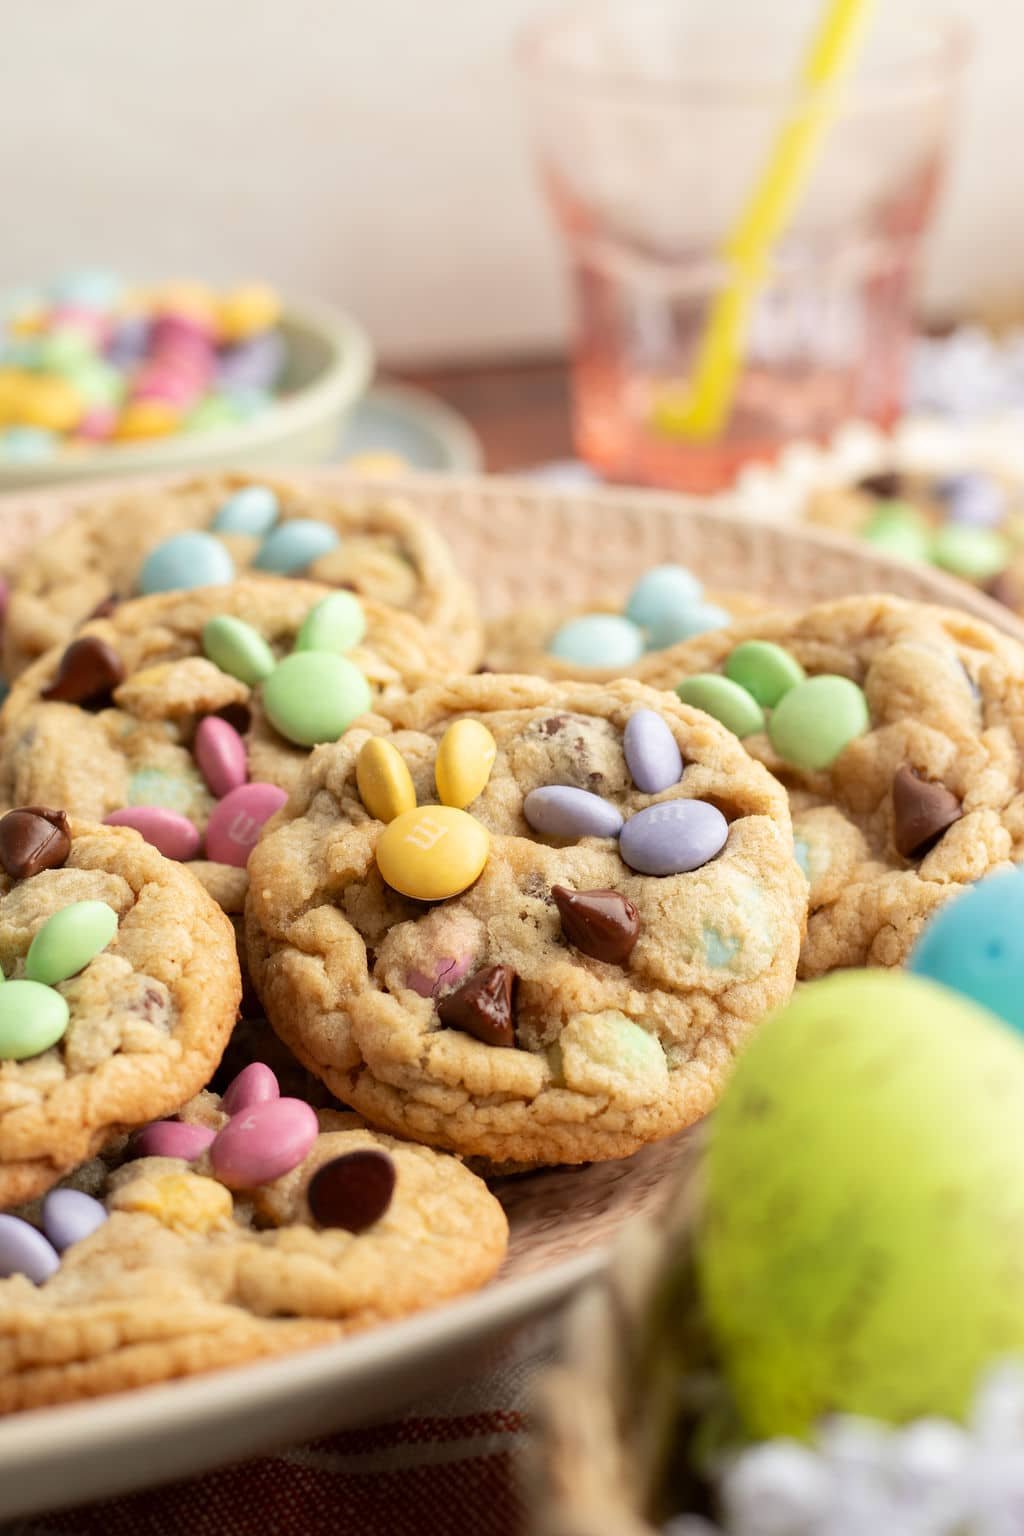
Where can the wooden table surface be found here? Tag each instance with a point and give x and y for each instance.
(519, 410)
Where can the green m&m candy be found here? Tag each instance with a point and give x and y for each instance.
(977, 554)
(237, 649)
(313, 696)
(337, 623)
(32, 1018)
(815, 720)
(899, 529)
(737, 709)
(765, 670)
(68, 940)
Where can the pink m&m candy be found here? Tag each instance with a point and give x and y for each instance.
(237, 821)
(171, 834)
(221, 755)
(263, 1143)
(98, 424)
(445, 972)
(172, 1138)
(255, 1084)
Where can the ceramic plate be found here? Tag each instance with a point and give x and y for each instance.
(562, 1221)
(415, 426)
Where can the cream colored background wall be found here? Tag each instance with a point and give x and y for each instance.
(372, 151)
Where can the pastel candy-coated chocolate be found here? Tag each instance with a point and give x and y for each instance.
(975, 945)
(221, 754)
(673, 837)
(730, 704)
(684, 623)
(660, 592)
(236, 822)
(69, 1215)
(32, 1018)
(27, 445)
(652, 754)
(184, 561)
(253, 364)
(238, 649)
(383, 779)
(765, 670)
(170, 833)
(432, 852)
(141, 419)
(25, 1251)
(560, 810)
(264, 1142)
(598, 640)
(977, 554)
(465, 757)
(446, 971)
(128, 341)
(247, 310)
(173, 1138)
(255, 1084)
(87, 288)
(975, 499)
(68, 940)
(906, 536)
(314, 696)
(254, 510)
(336, 623)
(815, 720)
(293, 545)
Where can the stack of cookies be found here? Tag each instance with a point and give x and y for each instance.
(301, 906)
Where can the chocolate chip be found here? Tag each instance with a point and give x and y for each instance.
(921, 813)
(33, 838)
(237, 715)
(482, 1006)
(89, 670)
(105, 608)
(601, 924)
(887, 484)
(1004, 589)
(553, 724)
(352, 1191)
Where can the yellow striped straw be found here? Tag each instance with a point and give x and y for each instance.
(701, 410)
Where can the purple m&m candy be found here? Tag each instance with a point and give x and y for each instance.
(25, 1251)
(974, 499)
(263, 1143)
(237, 821)
(170, 833)
(253, 364)
(173, 1138)
(559, 810)
(69, 1215)
(255, 1084)
(674, 837)
(652, 754)
(221, 755)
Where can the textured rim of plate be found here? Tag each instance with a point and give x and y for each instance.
(33, 1442)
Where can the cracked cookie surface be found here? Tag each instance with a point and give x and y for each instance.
(608, 1055)
(135, 747)
(387, 553)
(185, 1277)
(945, 696)
(149, 1016)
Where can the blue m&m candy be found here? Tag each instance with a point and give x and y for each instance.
(291, 546)
(186, 560)
(975, 945)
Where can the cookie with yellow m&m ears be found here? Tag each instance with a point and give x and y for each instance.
(248, 1226)
(527, 921)
(120, 990)
(898, 731)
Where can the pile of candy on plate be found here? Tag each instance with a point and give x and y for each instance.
(89, 359)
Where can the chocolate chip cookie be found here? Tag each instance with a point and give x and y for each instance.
(526, 921)
(171, 1265)
(121, 987)
(902, 754)
(386, 553)
(189, 715)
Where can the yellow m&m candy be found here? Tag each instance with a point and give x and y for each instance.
(246, 311)
(432, 852)
(385, 783)
(146, 418)
(464, 762)
(47, 401)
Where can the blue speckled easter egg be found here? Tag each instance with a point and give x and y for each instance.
(975, 945)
